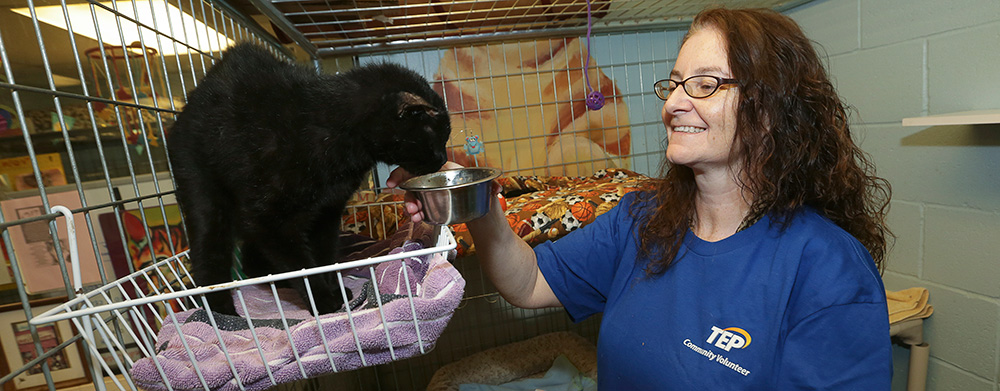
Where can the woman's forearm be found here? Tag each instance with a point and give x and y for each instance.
(509, 262)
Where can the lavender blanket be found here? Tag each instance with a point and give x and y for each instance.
(437, 289)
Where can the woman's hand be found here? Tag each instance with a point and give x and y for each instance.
(411, 204)
(506, 259)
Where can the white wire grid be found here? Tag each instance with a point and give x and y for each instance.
(521, 109)
(485, 319)
(634, 44)
(110, 164)
(119, 311)
(338, 26)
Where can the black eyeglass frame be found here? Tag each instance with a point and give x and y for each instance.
(683, 84)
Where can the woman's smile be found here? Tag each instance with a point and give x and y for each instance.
(689, 129)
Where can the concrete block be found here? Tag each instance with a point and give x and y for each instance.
(962, 69)
(962, 332)
(896, 282)
(884, 84)
(906, 222)
(960, 249)
(944, 377)
(944, 165)
(832, 24)
(886, 22)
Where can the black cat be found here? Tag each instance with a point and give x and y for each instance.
(267, 153)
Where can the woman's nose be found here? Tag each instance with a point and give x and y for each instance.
(677, 102)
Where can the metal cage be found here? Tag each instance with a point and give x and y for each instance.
(90, 88)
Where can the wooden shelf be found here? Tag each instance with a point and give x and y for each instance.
(956, 118)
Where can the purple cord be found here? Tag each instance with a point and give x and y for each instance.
(595, 100)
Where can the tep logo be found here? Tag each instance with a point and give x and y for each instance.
(730, 337)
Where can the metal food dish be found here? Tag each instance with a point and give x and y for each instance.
(454, 196)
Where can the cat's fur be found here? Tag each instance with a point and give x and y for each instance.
(268, 153)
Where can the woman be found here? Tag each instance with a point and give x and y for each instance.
(754, 262)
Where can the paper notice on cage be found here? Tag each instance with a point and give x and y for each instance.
(35, 249)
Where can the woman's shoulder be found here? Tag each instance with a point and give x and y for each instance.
(639, 200)
(833, 266)
(815, 229)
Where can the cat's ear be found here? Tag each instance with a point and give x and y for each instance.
(411, 104)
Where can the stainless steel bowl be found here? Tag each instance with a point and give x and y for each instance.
(454, 196)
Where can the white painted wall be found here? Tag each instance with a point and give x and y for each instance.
(892, 59)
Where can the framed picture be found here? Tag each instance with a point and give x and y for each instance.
(6, 272)
(131, 349)
(22, 175)
(18, 347)
(35, 248)
(139, 249)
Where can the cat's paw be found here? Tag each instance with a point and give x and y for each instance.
(332, 305)
(222, 303)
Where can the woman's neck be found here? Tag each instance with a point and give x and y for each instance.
(721, 205)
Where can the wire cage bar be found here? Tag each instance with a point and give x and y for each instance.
(136, 308)
(87, 92)
(90, 88)
(349, 26)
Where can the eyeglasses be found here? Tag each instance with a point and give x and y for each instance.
(698, 86)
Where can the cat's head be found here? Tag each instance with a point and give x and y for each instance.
(412, 125)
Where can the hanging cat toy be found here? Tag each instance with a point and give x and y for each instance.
(473, 147)
(595, 100)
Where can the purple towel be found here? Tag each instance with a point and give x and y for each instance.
(436, 286)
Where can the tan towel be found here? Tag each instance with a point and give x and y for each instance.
(907, 304)
(518, 360)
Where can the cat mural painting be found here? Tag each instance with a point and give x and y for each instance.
(753, 262)
(486, 87)
(268, 153)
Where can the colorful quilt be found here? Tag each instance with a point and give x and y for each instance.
(549, 208)
(538, 208)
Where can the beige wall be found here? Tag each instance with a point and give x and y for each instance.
(893, 59)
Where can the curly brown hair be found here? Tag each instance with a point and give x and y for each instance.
(792, 136)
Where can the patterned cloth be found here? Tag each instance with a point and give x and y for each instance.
(538, 208)
(555, 206)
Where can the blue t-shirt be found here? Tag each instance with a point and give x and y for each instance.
(764, 309)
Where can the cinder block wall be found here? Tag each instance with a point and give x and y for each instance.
(893, 59)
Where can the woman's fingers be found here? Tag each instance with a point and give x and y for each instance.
(449, 165)
(397, 176)
(411, 205)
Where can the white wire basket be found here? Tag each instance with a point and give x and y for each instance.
(150, 330)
